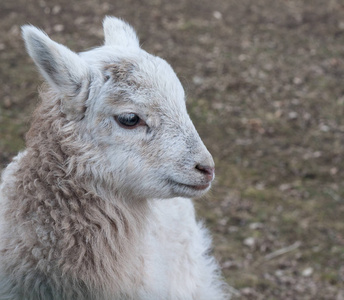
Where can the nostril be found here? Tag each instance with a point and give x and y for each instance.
(209, 171)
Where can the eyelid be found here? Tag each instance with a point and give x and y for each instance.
(140, 123)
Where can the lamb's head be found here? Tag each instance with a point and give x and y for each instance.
(130, 106)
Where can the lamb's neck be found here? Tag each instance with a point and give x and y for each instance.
(86, 236)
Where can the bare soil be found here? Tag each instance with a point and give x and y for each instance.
(265, 89)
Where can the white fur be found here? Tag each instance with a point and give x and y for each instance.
(153, 164)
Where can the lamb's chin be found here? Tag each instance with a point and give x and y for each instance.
(188, 190)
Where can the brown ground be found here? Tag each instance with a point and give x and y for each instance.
(265, 89)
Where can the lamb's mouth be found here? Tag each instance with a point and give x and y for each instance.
(200, 187)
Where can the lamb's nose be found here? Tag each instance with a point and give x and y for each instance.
(208, 171)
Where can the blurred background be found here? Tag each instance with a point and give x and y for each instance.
(265, 86)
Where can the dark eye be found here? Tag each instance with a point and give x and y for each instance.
(129, 120)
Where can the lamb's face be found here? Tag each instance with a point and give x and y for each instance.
(139, 119)
(130, 105)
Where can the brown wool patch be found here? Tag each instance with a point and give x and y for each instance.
(75, 233)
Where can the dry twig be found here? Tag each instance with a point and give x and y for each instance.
(282, 251)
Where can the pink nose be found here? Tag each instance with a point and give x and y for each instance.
(209, 172)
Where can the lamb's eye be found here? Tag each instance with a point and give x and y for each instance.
(128, 120)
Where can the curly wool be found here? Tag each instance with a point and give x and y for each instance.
(71, 229)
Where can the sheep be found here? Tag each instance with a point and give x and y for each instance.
(98, 204)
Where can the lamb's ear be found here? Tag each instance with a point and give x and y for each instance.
(119, 33)
(63, 69)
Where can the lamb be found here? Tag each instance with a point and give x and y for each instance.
(94, 208)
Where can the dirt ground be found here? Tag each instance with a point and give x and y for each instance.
(265, 85)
